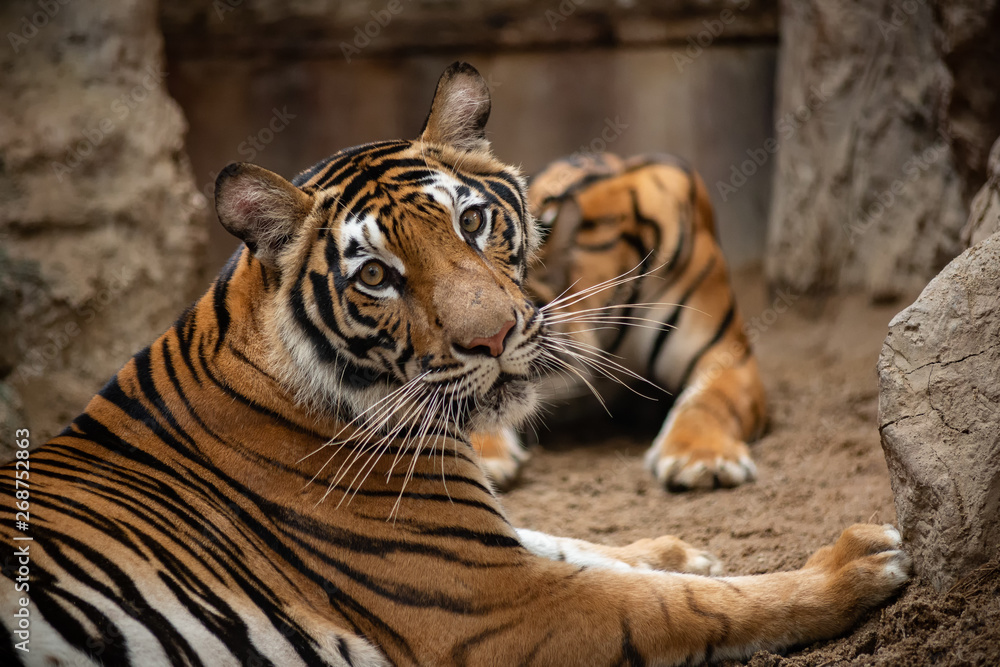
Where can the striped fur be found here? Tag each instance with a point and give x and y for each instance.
(674, 324)
(284, 477)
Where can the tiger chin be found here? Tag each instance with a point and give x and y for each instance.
(285, 477)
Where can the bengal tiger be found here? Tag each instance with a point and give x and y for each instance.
(672, 320)
(284, 477)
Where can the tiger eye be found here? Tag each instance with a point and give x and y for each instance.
(471, 220)
(373, 274)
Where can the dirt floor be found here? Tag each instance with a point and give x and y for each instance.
(820, 469)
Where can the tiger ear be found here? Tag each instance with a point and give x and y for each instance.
(460, 110)
(259, 207)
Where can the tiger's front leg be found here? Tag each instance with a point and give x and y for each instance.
(703, 442)
(597, 616)
(500, 456)
(666, 553)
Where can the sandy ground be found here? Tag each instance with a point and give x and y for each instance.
(820, 469)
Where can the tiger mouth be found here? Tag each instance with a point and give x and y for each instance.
(506, 386)
(508, 402)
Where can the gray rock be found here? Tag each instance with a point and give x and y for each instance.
(100, 222)
(984, 217)
(939, 416)
(884, 110)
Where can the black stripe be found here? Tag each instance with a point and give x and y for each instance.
(730, 406)
(341, 602)
(662, 159)
(334, 166)
(345, 652)
(8, 654)
(108, 647)
(219, 291)
(460, 652)
(719, 333)
(723, 621)
(253, 588)
(165, 633)
(647, 257)
(184, 329)
(358, 346)
(226, 625)
(370, 174)
(630, 652)
(670, 323)
(147, 385)
(493, 540)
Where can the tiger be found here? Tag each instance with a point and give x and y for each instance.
(648, 218)
(285, 476)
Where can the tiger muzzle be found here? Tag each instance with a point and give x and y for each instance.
(492, 345)
(476, 313)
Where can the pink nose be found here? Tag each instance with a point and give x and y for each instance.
(494, 342)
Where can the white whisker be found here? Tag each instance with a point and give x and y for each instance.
(568, 298)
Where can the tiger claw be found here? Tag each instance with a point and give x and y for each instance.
(687, 472)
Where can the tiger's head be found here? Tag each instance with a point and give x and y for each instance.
(396, 272)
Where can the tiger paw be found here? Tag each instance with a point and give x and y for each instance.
(704, 464)
(866, 564)
(500, 456)
(671, 554)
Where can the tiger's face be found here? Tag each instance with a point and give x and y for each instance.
(400, 269)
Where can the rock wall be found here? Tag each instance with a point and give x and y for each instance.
(885, 110)
(939, 403)
(984, 218)
(100, 227)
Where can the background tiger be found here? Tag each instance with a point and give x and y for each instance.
(674, 322)
(284, 477)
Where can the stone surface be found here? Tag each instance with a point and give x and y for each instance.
(100, 227)
(939, 416)
(984, 218)
(896, 104)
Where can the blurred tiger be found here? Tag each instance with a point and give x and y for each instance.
(285, 478)
(671, 321)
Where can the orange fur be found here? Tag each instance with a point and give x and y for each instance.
(236, 494)
(607, 217)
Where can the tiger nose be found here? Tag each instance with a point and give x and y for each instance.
(494, 343)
